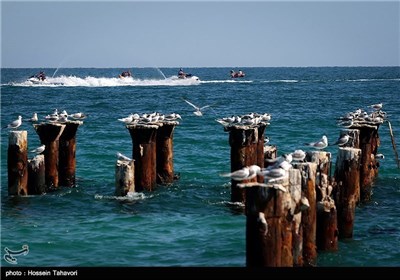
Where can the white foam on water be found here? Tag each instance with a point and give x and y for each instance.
(226, 81)
(130, 196)
(89, 81)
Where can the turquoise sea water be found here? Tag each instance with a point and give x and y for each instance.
(190, 223)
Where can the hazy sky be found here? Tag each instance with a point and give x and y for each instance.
(190, 34)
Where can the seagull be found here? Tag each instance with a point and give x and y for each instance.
(253, 171)
(62, 118)
(78, 116)
(381, 156)
(52, 118)
(127, 119)
(280, 162)
(122, 157)
(241, 174)
(321, 144)
(34, 118)
(39, 149)
(298, 155)
(15, 124)
(272, 173)
(376, 106)
(198, 109)
(342, 140)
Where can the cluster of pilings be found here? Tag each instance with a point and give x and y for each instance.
(304, 210)
(246, 138)
(53, 167)
(152, 153)
(284, 214)
(356, 165)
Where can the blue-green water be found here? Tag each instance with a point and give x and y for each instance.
(190, 223)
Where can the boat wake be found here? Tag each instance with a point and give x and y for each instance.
(226, 81)
(73, 81)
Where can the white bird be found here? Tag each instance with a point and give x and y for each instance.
(34, 118)
(78, 116)
(127, 119)
(122, 157)
(15, 124)
(39, 149)
(381, 156)
(285, 165)
(376, 106)
(321, 144)
(298, 155)
(52, 118)
(253, 171)
(198, 109)
(272, 173)
(62, 118)
(280, 162)
(342, 140)
(172, 117)
(245, 173)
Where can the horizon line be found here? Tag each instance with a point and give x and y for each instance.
(110, 67)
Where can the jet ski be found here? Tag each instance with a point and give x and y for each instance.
(239, 74)
(125, 74)
(38, 78)
(188, 76)
(35, 80)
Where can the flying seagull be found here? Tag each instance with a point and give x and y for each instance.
(198, 109)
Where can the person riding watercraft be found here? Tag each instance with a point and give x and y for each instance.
(237, 74)
(183, 75)
(41, 76)
(125, 74)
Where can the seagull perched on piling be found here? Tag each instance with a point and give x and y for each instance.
(78, 116)
(376, 106)
(122, 157)
(342, 140)
(246, 173)
(298, 155)
(380, 156)
(320, 144)
(198, 109)
(127, 119)
(15, 124)
(39, 149)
